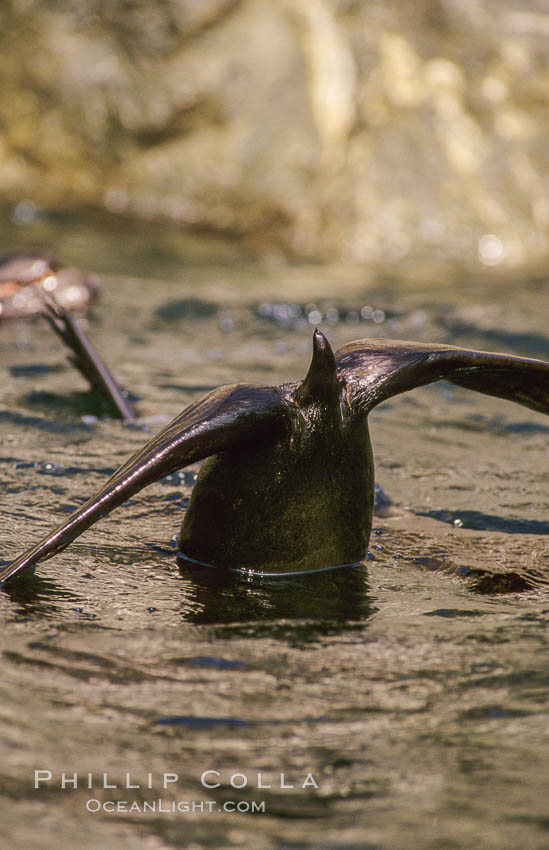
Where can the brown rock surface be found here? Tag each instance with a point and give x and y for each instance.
(379, 131)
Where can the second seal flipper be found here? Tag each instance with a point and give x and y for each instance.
(86, 359)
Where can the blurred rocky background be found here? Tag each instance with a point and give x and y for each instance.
(371, 131)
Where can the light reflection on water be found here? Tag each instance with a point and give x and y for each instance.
(413, 687)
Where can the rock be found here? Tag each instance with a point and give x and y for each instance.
(376, 132)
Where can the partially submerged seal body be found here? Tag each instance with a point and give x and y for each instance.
(288, 484)
(23, 277)
(301, 501)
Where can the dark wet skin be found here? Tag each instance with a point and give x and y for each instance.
(85, 358)
(288, 484)
(301, 502)
(24, 277)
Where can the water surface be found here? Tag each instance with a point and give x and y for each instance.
(413, 688)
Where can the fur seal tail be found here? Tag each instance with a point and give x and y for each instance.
(321, 383)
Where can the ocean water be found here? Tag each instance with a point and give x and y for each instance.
(401, 703)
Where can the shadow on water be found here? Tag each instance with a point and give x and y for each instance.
(299, 607)
(529, 344)
(13, 418)
(479, 521)
(88, 403)
(35, 596)
(194, 309)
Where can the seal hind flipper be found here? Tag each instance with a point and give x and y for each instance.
(377, 369)
(289, 479)
(223, 419)
(85, 357)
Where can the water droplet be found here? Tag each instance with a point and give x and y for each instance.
(24, 212)
(490, 249)
(226, 324)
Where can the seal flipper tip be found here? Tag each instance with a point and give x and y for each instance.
(321, 383)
